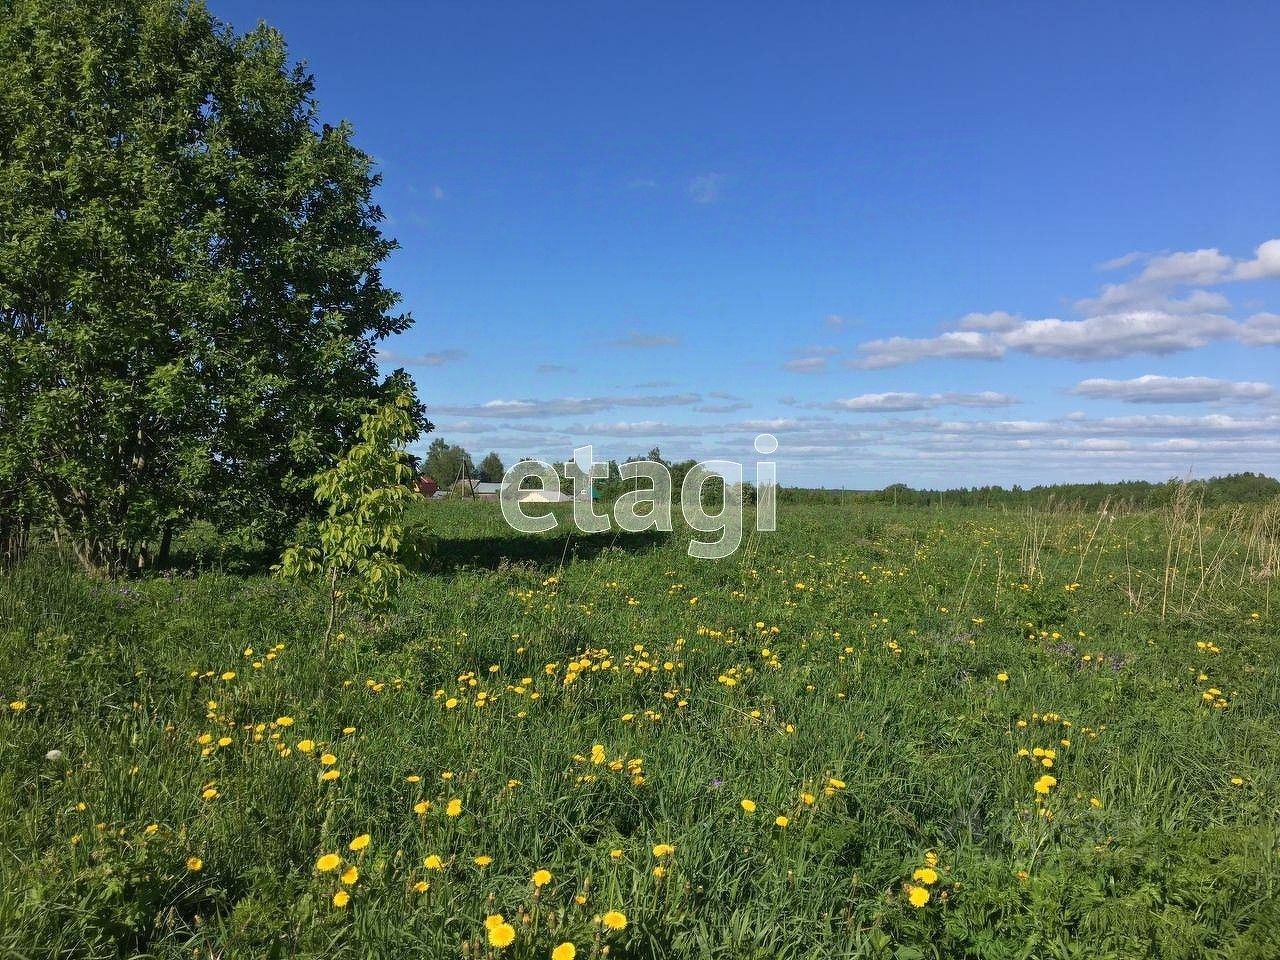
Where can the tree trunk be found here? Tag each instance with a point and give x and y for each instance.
(166, 543)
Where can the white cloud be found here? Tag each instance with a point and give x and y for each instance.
(1162, 274)
(1260, 330)
(1099, 443)
(1265, 263)
(775, 423)
(1164, 424)
(1117, 335)
(895, 351)
(1193, 267)
(996, 320)
(1102, 337)
(1197, 301)
(636, 428)
(807, 365)
(1117, 263)
(727, 406)
(564, 406)
(1157, 389)
(901, 402)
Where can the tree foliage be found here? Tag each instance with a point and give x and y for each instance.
(190, 285)
(1131, 494)
(446, 462)
(491, 468)
(364, 496)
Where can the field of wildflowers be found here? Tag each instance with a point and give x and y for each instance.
(875, 733)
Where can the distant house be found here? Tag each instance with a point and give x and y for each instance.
(544, 496)
(480, 489)
(426, 486)
(488, 491)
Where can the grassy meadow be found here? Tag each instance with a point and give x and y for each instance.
(877, 732)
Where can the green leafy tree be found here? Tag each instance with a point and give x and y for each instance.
(491, 468)
(190, 285)
(445, 463)
(359, 541)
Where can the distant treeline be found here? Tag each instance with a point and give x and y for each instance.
(1138, 494)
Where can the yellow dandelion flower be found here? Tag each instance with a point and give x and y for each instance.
(541, 878)
(433, 862)
(918, 896)
(328, 759)
(421, 886)
(285, 721)
(195, 864)
(306, 746)
(781, 821)
(327, 862)
(359, 843)
(926, 875)
(502, 935)
(333, 774)
(615, 920)
(341, 899)
(482, 861)
(1045, 784)
(748, 805)
(350, 875)
(565, 951)
(421, 807)
(454, 808)
(663, 850)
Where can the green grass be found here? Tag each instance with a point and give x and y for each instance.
(886, 634)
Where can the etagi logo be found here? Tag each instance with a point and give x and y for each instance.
(640, 509)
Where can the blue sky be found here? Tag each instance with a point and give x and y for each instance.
(939, 244)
